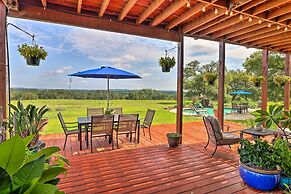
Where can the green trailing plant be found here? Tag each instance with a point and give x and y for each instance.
(284, 153)
(27, 120)
(210, 77)
(174, 135)
(274, 115)
(281, 80)
(259, 155)
(257, 81)
(167, 61)
(32, 51)
(25, 171)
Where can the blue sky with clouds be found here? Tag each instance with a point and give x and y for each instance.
(71, 49)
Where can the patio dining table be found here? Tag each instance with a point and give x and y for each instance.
(86, 121)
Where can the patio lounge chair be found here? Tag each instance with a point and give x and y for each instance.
(216, 136)
(95, 111)
(69, 128)
(127, 124)
(102, 126)
(148, 120)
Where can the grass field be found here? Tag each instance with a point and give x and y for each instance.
(72, 109)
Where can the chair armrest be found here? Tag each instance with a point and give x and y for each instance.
(227, 127)
(234, 131)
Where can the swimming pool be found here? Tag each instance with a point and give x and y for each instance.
(209, 111)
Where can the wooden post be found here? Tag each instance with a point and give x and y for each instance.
(180, 68)
(287, 85)
(264, 95)
(221, 80)
(3, 70)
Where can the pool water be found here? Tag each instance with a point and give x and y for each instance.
(209, 111)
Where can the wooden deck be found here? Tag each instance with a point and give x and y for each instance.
(151, 166)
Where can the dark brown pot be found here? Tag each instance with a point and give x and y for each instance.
(173, 141)
(166, 69)
(33, 61)
(257, 84)
(211, 82)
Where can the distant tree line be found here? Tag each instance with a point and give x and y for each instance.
(144, 94)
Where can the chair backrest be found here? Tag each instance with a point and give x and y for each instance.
(61, 119)
(213, 128)
(117, 110)
(102, 124)
(95, 111)
(148, 120)
(127, 122)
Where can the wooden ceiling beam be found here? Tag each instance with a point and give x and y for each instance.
(44, 4)
(126, 9)
(186, 15)
(284, 17)
(79, 8)
(252, 4)
(168, 11)
(275, 42)
(284, 47)
(269, 5)
(148, 11)
(210, 15)
(271, 39)
(263, 36)
(253, 33)
(280, 11)
(103, 8)
(246, 30)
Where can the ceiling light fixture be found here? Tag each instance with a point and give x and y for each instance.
(231, 13)
(216, 11)
(188, 4)
(241, 17)
(260, 21)
(286, 28)
(203, 9)
(226, 12)
(278, 27)
(269, 25)
(250, 19)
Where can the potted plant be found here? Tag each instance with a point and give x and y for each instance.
(259, 165)
(167, 63)
(210, 77)
(281, 80)
(33, 54)
(109, 111)
(257, 80)
(284, 153)
(174, 139)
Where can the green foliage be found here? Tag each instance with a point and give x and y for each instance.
(274, 115)
(284, 153)
(259, 154)
(174, 135)
(281, 80)
(257, 80)
(32, 51)
(26, 120)
(167, 61)
(27, 172)
(210, 76)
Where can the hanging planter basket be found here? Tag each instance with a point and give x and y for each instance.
(32, 61)
(210, 78)
(281, 80)
(32, 53)
(257, 81)
(167, 63)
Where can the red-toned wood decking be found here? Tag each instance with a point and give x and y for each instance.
(151, 166)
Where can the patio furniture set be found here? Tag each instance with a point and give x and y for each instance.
(99, 124)
(240, 108)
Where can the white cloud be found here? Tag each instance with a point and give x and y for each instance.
(122, 66)
(60, 71)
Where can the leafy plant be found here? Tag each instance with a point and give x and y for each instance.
(259, 154)
(27, 120)
(210, 76)
(281, 80)
(284, 154)
(32, 51)
(257, 80)
(109, 111)
(167, 61)
(23, 171)
(174, 135)
(274, 115)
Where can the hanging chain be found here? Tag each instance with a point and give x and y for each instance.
(168, 51)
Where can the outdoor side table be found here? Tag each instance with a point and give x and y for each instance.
(257, 133)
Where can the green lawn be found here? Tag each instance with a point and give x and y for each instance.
(72, 109)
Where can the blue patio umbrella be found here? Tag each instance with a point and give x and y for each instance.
(240, 92)
(106, 73)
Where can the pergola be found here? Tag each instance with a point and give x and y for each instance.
(263, 24)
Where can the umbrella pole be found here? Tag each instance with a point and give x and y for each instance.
(107, 93)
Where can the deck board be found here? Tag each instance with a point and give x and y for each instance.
(151, 166)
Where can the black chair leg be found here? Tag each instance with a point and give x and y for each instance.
(143, 131)
(150, 134)
(130, 137)
(111, 138)
(206, 144)
(214, 150)
(229, 146)
(91, 146)
(65, 143)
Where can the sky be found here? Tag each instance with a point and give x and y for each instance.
(72, 49)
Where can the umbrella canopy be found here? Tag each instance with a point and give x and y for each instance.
(241, 92)
(106, 73)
